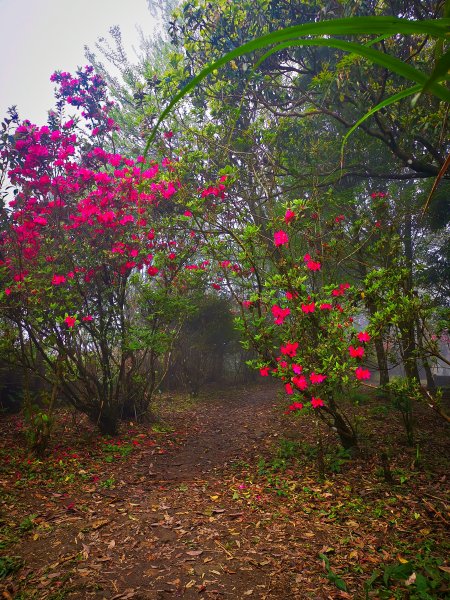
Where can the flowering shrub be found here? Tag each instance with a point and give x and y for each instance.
(92, 255)
(293, 315)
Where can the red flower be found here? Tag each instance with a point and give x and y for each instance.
(280, 238)
(317, 402)
(300, 382)
(246, 303)
(152, 271)
(363, 336)
(289, 389)
(356, 352)
(362, 373)
(264, 371)
(70, 321)
(317, 378)
(58, 279)
(308, 308)
(290, 349)
(313, 266)
(280, 313)
(295, 406)
(326, 306)
(297, 369)
(289, 215)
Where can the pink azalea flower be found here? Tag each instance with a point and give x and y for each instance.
(317, 378)
(356, 352)
(58, 279)
(280, 313)
(295, 406)
(317, 402)
(246, 303)
(289, 215)
(362, 373)
(264, 371)
(280, 238)
(313, 265)
(70, 321)
(290, 349)
(289, 389)
(297, 369)
(300, 382)
(363, 336)
(326, 306)
(308, 308)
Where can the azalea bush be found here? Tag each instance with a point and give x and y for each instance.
(93, 278)
(296, 312)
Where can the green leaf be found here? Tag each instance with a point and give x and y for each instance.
(375, 56)
(440, 71)
(372, 111)
(349, 26)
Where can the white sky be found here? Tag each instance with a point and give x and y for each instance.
(41, 36)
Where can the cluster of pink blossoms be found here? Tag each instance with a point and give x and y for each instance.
(86, 198)
(292, 373)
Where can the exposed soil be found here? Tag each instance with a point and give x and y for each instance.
(200, 507)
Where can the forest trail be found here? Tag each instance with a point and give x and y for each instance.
(167, 526)
(205, 506)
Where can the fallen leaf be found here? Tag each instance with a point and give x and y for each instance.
(99, 523)
(445, 569)
(194, 552)
(248, 593)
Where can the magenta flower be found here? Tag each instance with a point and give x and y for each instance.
(294, 406)
(280, 238)
(317, 402)
(290, 349)
(362, 373)
(280, 313)
(289, 389)
(308, 308)
(363, 336)
(70, 321)
(289, 215)
(326, 306)
(58, 279)
(300, 382)
(356, 352)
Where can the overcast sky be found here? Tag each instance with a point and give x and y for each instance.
(41, 36)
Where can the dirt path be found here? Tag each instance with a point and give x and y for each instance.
(168, 527)
(200, 510)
